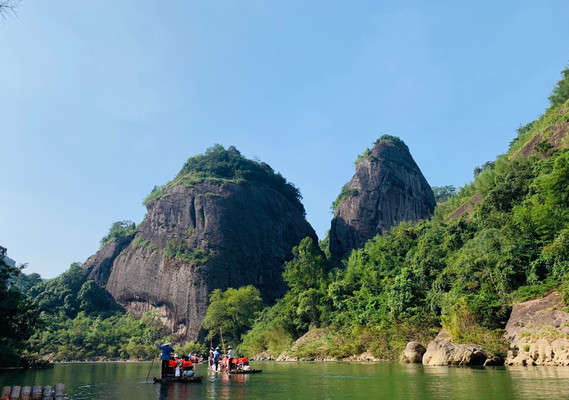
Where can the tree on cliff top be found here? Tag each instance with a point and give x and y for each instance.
(229, 164)
(397, 142)
(560, 93)
(393, 139)
(119, 230)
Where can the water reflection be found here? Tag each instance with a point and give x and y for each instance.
(226, 386)
(540, 382)
(176, 391)
(126, 381)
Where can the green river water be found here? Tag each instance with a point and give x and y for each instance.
(304, 380)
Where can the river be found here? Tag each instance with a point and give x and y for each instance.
(304, 380)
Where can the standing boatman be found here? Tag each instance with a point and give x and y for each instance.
(167, 350)
(230, 356)
(216, 357)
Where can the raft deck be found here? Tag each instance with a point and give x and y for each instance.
(33, 392)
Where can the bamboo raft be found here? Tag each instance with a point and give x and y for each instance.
(33, 392)
(179, 379)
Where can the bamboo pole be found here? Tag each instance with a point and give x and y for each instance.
(26, 393)
(36, 392)
(59, 391)
(150, 369)
(222, 344)
(16, 393)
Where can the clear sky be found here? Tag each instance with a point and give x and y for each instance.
(100, 100)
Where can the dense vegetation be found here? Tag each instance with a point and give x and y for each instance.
(19, 317)
(443, 193)
(231, 313)
(501, 239)
(220, 164)
(119, 230)
(80, 321)
(464, 273)
(560, 93)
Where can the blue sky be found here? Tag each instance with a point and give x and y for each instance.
(101, 100)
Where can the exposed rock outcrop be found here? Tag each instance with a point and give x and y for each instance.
(98, 266)
(442, 351)
(224, 221)
(387, 188)
(200, 238)
(539, 332)
(413, 353)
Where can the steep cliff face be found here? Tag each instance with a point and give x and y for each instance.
(387, 188)
(199, 237)
(98, 266)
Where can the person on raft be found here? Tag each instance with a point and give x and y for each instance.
(230, 356)
(243, 363)
(216, 358)
(188, 369)
(167, 350)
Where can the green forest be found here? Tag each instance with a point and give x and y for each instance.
(501, 239)
(461, 271)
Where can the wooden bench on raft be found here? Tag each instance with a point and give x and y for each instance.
(33, 392)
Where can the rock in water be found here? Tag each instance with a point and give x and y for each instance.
(442, 351)
(413, 353)
(387, 188)
(231, 225)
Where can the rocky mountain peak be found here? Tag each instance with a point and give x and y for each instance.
(224, 221)
(387, 188)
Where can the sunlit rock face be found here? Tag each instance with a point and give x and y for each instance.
(387, 188)
(538, 332)
(200, 237)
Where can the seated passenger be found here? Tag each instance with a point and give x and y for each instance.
(188, 369)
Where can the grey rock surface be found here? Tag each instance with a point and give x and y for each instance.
(539, 332)
(98, 266)
(413, 353)
(442, 351)
(389, 188)
(226, 234)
